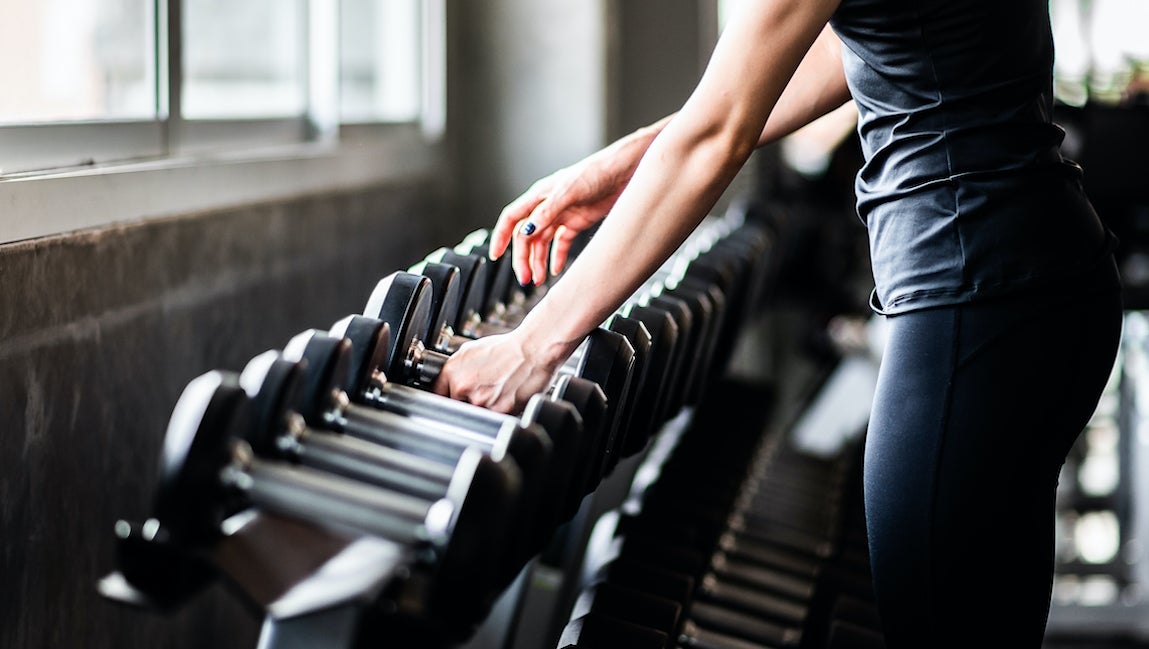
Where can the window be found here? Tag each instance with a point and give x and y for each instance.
(380, 60)
(244, 59)
(96, 81)
(77, 60)
(118, 110)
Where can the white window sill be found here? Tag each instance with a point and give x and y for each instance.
(53, 202)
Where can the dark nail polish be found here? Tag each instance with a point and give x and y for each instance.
(528, 229)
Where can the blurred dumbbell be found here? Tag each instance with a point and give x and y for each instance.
(209, 472)
(488, 488)
(327, 402)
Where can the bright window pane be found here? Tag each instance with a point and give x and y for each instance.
(244, 59)
(77, 60)
(380, 62)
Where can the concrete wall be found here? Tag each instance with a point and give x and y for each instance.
(660, 48)
(529, 96)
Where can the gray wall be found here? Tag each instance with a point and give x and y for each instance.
(660, 48)
(529, 94)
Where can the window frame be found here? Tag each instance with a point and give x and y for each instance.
(169, 166)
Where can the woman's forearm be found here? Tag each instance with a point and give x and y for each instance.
(644, 228)
(683, 172)
(817, 88)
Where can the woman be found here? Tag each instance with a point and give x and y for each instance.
(995, 274)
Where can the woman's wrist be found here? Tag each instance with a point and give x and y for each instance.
(623, 156)
(545, 341)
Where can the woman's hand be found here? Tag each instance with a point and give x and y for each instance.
(499, 372)
(546, 218)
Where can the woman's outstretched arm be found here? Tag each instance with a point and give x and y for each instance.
(683, 172)
(576, 197)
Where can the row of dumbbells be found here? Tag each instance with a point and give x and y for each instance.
(722, 553)
(338, 430)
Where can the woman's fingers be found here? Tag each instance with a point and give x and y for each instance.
(493, 372)
(527, 251)
(442, 385)
(513, 215)
(560, 248)
(546, 214)
(540, 250)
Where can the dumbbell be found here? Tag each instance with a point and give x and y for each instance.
(654, 348)
(505, 299)
(735, 264)
(560, 415)
(705, 308)
(597, 631)
(327, 404)
(629, 605)
(707, 304)
(634, 606)
(448, 298)
(403, 300)
(468, 302)
(719, 577)
(708, 266)
(715, 603)
(654, 360)
(509, 302)
(208, 473)
(280, 389)
(766, 580)
(685, 621)
(732, 261)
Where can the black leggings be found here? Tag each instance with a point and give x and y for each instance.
(976, 409)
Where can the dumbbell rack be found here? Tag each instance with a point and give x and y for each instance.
(732, 536)
(263, 485)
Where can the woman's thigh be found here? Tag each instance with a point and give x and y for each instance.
(976, 409)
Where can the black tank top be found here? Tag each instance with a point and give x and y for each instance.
(964, 191)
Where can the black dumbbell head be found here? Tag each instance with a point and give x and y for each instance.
(326, 364)
(631, 605)
(370, 340)
(473, 270)
(191, 500)
(609, 361)
(589, 400)
(564, 427)
(500, 277)
(663, 356)
(471, 569)
(716, 329)
(446, 297)
(273, 386)
(154, 573)
(597, 631)
(703, 319)
(686, 356)
(403, 301)
(638, 415)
